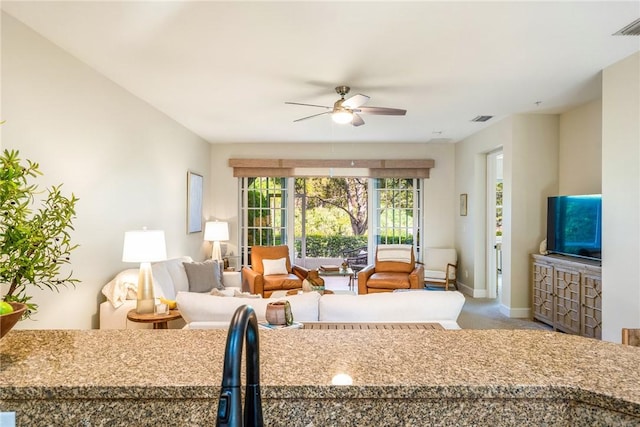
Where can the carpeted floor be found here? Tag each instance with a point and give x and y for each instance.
(483, 313)
(477, 313)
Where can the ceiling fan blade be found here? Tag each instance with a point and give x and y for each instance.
(309, 105)
(382, 111)
(310, 117)
(357, 120)
(355, 101)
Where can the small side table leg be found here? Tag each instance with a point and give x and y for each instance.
(160, 325)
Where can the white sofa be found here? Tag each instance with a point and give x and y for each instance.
(202, 310)
(169, 278)
(207, 311)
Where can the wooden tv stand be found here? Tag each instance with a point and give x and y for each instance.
(567, 294)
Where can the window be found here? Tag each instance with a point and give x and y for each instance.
(397, 212)
(329, 215)
(263, 213)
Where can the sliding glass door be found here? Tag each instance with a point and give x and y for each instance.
(331, 216)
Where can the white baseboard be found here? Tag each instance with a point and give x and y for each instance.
(515, 313)
(473, 293)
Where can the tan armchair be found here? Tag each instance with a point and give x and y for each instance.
(280, 276)
(388, 275)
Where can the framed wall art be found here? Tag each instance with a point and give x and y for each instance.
(463, 204)
(194, 202)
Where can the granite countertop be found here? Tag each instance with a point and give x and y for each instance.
(302, 363)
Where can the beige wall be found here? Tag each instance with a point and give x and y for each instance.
(532, 177)
(470, 178)
(438, 189)
(126, 161)
(621, 197)
(580, 151)
(530, 145)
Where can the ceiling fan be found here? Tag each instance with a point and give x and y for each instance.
(347, 110)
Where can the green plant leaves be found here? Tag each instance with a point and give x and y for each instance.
(34, 243)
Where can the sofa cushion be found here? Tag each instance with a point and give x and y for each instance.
(408, 306)
(196, 307)
(394, 263)
(178, 274)
(386, 280)
(281, 281)
(204, 276)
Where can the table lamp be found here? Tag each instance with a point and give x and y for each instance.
(144, 246)
(215, 231)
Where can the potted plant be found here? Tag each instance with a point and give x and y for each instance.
(34, 234)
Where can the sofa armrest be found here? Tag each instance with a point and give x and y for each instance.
(252, 281)
(416, 277)
(363, 276)
(299, 271)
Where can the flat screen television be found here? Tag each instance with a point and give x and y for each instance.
(574, 225)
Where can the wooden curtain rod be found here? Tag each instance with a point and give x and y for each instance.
(332, 163)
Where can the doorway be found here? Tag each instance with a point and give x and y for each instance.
(494, 223)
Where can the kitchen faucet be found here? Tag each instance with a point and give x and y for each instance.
(243, 323)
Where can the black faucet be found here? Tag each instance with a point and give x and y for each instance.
(244, 322)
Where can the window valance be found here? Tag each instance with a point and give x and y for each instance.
(386, 168)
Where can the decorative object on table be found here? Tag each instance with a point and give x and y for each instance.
(144, 246)
(329, 267)
(35, 241)
(194, 202)
(543, 248)
(279, 313)
(313, 282)
(216, 231)
(344, 265)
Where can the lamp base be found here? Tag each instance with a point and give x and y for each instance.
(216, 253)
(145, 306)
(146, 301)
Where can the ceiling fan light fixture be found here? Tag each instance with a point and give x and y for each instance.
(342, 116)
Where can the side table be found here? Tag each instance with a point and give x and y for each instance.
(348, 272)
(159, 320)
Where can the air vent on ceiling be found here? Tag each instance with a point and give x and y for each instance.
(632, 29)
(481, 118)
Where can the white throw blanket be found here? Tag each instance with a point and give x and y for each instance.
(397, 253)
(123, 287)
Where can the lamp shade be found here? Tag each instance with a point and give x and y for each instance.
(144, 246)
(216, 231)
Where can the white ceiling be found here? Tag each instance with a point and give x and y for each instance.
(225, 69)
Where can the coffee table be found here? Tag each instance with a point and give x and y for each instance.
(159, 320)
(372, 325)
(348, 272)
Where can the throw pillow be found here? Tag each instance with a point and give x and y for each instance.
(274, 266)
(204, 276)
